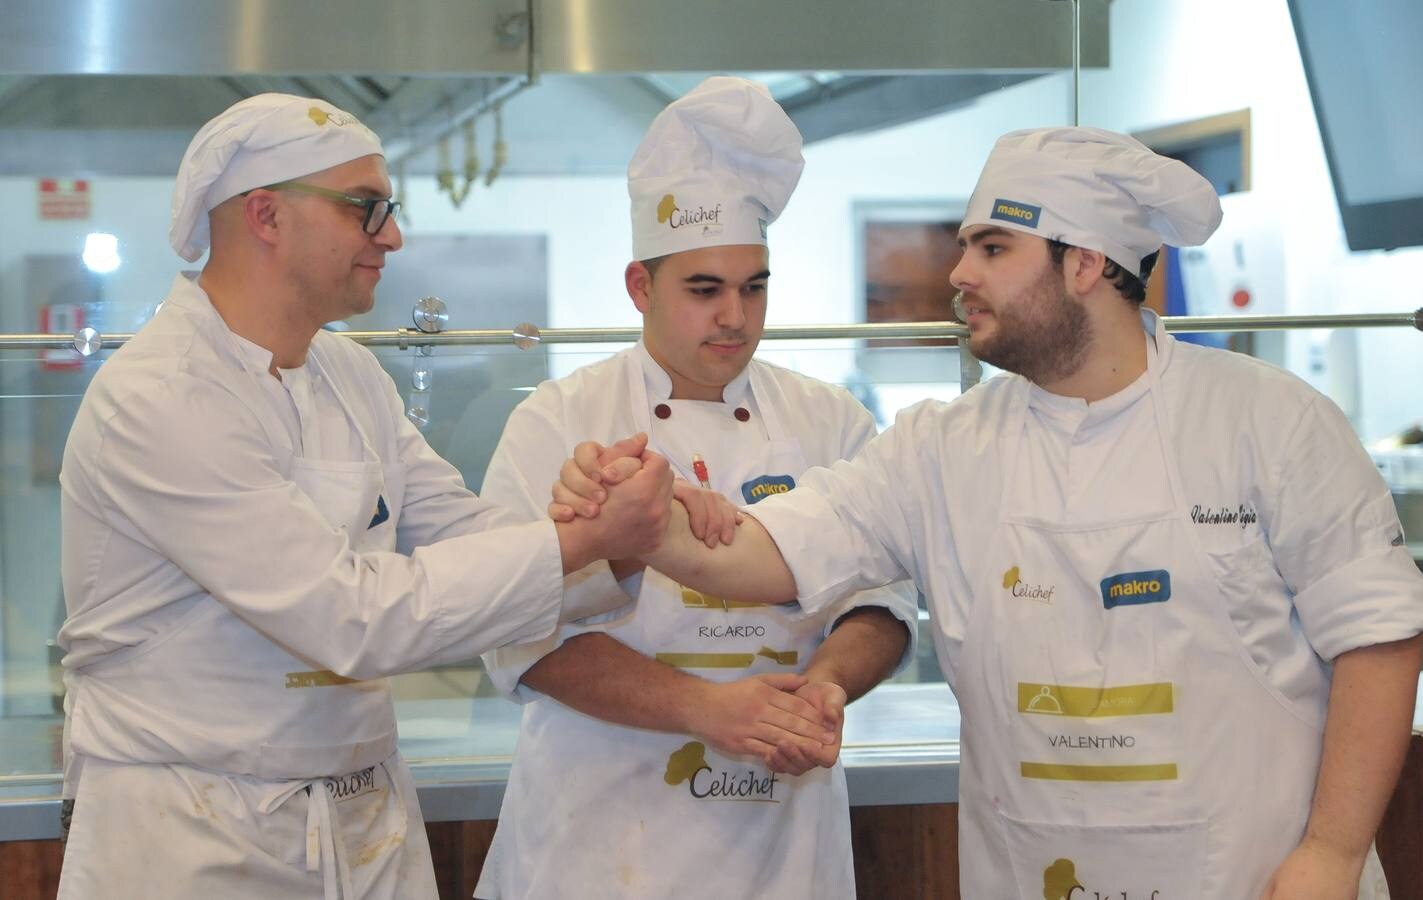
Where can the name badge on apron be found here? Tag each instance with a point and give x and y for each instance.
(352, 785)
(1118, 733)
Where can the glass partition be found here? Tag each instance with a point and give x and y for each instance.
(455, 712)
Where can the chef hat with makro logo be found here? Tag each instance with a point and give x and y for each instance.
(259, 141)
(1093, 189)
(715, 168)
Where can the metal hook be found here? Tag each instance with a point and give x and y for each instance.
(501, 150)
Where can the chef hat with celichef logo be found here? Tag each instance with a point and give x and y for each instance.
(715, 168)
(1093, 189)
(258, 141)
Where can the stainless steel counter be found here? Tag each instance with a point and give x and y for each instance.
(901, 746)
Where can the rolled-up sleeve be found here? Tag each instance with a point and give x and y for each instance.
(844, 528)
(1338, 543)
(900, 599)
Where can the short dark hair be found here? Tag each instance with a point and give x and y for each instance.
(651, 265)
(1127, 284)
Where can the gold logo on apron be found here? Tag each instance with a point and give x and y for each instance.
(728, 660)
(1062, 772)
(697, 600)
(684, 763)
(1014, 584)
(316, 679)
(1092, 702)
(1060, 880)
(689, 764)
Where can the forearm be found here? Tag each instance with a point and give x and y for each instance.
(382, 614)
(1365, 738)
(750, 569)
(604, 678)
(860, 652)
(577, 544)
(623, 569)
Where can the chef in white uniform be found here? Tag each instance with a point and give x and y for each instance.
(646, 764)
(1169, 589)
(255, 537)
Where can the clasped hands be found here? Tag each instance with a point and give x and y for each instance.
(590, 478)
(789, 722)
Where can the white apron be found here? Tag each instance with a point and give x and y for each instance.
(277, 744)
(600, 810)
(1107, 700)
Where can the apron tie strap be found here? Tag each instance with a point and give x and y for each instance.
(321, 828)
(321, 825)
(397, 794)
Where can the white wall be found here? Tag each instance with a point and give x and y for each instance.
(1176, 61)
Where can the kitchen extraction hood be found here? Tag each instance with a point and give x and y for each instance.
(117, 87)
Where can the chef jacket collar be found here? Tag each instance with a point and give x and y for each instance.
(659, 383)
(189, 295)
(1074, 413)
(255, 359)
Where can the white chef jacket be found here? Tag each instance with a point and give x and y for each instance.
(175, 486)
(1299, 531)
(596, 403)
(190, 553)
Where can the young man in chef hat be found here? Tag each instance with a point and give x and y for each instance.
(1171, 590)
(686, 746)
(254, 537)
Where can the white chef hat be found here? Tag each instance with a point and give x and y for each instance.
(1093, 189)
(259, 141)
(715, 168)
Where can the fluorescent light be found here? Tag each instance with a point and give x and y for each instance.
(101, 252)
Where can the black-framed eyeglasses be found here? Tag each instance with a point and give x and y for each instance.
(378, 209)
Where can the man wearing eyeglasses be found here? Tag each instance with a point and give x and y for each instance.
(255, 538)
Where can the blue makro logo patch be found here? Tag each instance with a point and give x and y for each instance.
(758, 489)
(1012, 211)
(1132, 588)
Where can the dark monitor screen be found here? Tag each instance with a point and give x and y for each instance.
(1364, 63)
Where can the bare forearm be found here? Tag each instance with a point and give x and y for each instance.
(862, 649)
(604, 678)
(750, 569)
(577, 544)
(1365, 738)
(625, 568)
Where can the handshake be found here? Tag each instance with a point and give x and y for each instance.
(617, 502)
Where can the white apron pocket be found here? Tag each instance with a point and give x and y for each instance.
(1098, 862)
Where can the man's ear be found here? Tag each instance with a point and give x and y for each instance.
(1083, 269)
(259, 211)
(639, 285)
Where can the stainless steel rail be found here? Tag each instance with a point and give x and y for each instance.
(526, 336)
